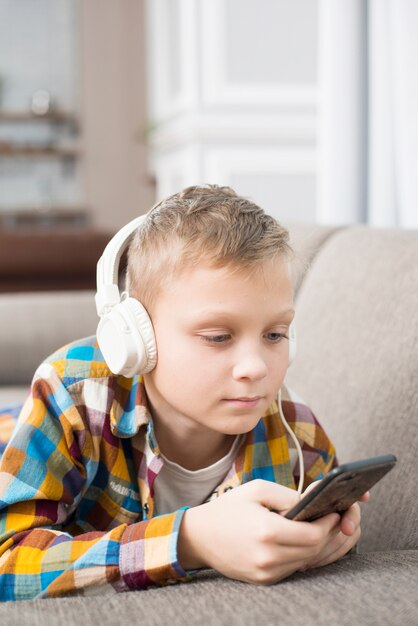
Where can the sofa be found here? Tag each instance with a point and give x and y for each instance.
(356, 366)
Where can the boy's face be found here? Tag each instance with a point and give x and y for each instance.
(221, 354)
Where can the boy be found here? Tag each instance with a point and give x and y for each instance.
(115, 482)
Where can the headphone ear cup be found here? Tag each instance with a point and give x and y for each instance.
(292, 342)
(126, 339)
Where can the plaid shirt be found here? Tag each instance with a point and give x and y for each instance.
(77, 480)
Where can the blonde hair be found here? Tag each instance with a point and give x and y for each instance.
(209, 224)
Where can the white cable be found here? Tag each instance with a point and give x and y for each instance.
(296, 442)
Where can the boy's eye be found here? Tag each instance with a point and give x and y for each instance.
(275, 337)
(215, 338)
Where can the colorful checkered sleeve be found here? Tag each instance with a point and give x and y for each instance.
(45, 471)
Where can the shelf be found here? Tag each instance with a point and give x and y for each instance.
(34, 218)
(14, 150)
(57, 117)
(9, 148)
(40, 210)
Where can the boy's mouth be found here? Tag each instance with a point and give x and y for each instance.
(248, 402)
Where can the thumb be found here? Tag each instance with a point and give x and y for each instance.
(311, 486)
(277, 498)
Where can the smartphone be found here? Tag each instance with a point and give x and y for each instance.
(341, 487)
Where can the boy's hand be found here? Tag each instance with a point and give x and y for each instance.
(347, 537)
(344, 540)
(239, 536)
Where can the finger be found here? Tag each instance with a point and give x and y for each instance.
(273, 496)
(311, 486)
(304, 534)
(365, 497)
(279, 561)
(329, 523)
(304, 557)
(337, 549)
(282, 556)
(350, 521)
(277, 572)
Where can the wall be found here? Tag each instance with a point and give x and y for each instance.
(117, 186)
(233, 99)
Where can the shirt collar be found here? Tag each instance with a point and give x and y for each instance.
(129, 410)
(264, 454)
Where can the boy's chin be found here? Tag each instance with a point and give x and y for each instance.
(240, 426)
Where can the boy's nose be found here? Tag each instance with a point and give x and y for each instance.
(251, 366)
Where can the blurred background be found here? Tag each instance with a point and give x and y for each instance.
(309, 107)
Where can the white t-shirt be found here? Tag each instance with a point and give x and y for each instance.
(176, 486)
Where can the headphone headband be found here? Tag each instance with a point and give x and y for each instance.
(108, 294)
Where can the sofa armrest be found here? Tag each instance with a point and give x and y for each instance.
(33, 325)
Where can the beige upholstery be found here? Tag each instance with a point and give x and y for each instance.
(306, 240)
(372, 590)
(357, 366)
(33, 325)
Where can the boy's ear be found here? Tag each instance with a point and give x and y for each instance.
(292, 342)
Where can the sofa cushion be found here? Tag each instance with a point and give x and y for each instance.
(357, 365)
(33, 325)
(13, 394)
(370, 589)
(306, 241)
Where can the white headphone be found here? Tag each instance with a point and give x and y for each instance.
(292, 342)
(125, 333)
